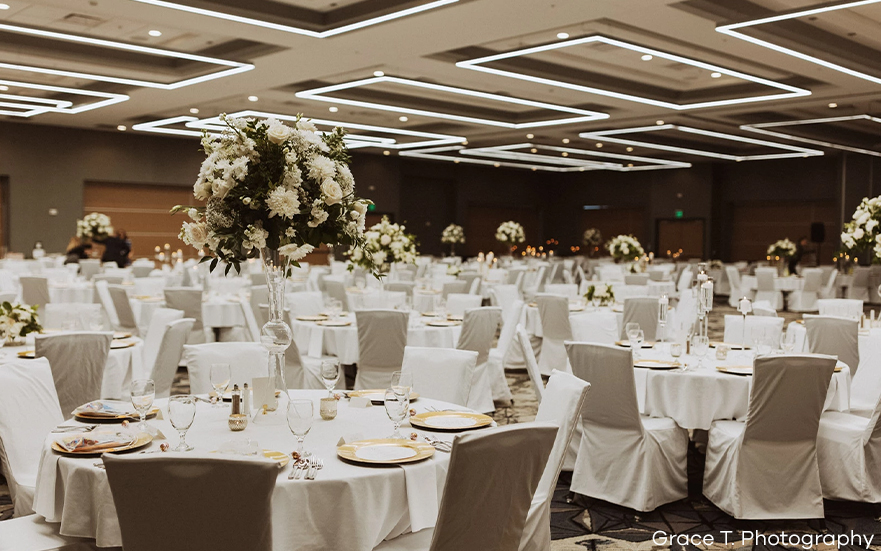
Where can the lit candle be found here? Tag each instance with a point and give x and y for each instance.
(745, 306)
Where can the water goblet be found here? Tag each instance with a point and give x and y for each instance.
(787, 342)
(143, 391)
(330, 374)
(96, 322)
(299, 417)
(402, 383)
(700, 345)
(397, 407)
(220, 376)
(181, 412)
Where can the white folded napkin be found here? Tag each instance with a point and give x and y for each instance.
(422, 495)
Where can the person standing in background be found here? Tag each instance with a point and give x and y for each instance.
(117, 249)
(77, 250)
(799, 254)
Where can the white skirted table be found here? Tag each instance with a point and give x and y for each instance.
(80, 291)
(348, 506)
(217, 312)
(531, 319)
(785, 284)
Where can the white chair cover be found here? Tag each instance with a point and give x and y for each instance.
(859, 285)
(756, 327)
(28, 411)
(806, 299)
(246, 360)
(110, 279)
(190, 301)
(566, 395)
(400, 287)
(80, 314)
(458, 303)
(684, 282)
(596, 327)
(103, 292)
(636, 279)
(849, 456)
(149, 286)
(201, 514)
(251, 327)
(89, 267)
(382, 336)
(531, 365)
(840, 307)
(766, 468)
(125, 314)
(457, 287)
(644, 311)
(568, 290)
(765, 289)
(499, 356)
(77, 360)
(764, 311)
(504, 296)
(834, 337)
(161, 317)
(305, 371)
(440, 373)
(554, 313)
(737, 291)
(478, 332)
(379, 300)
(170, 350)
(337, 290)
(260, 295)
(303, 303)
(34, 290)
(623, 457)
(829, 290)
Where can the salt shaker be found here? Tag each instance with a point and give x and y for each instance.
(246, 400)
(237, 420)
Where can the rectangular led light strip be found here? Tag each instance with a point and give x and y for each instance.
(235, 67)
(318, 94)
(762, 128)
(732, 30)
(441, 154)
(509, 151)
(478, 65)
(793, 151)
(52, 105)
(298, 30)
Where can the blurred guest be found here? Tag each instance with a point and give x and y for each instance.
(117, 249)
(799, 254)
(77, 250)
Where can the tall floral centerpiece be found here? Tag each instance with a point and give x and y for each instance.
(624, 247)
(453, 235)
(511, 234)
(277, 192)
(863, 233)
(94, 227)
(779, 252)
(385, 244)
(591, 240)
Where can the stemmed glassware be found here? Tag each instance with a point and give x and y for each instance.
(181, 412)
(330, 374)
(143, 391)
(299, 416)
(396, 406)
(402, 383)
(700, 345)
(636, 337)
(787, 342)
(220, 377)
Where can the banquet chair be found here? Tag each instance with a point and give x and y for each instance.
(848, 452)
(25, 386)
(504, 296)
(767, 327)
(337, 290)
(190, 301)
(566, 396)
(735, 284)
(124, 313)
(246, 360)
(444, 374)
(201, 516)
(828, 290)
(636, 279)
(102, 290)
(168, 358)
(624, 457)
(382, 336)
(148, 286)
(492, 476)
(840, 307)
(77, 360)
(766, 467)
(644, 311)
(597, 327)
(764, 308)
(400, 287)
(535, 286)
(684, 282)
(161, 317)
(610, 272)
(834, 337)
(89, 267)
(859, 285)
(304, 303)
(251, 329)
(8, 297)
(765, 287)
(478, 331)
(500, 355)
(260, 295)
(806, 299)
(458, 303)
(305, 371)
(142, 270)
(78, 316)
(554, 313)
(110, 279)
(35, 291)
(453, 287)
(257, 278)
(532, 369)
(33, 533)
(568, 290)
(469, 277)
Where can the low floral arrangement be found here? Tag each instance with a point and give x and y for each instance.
(94, 226)
(276, 187)
(783, 248)
(622, 247)
(385, 244)
(454, 270)
(716, 265)
(18, 320)
(510, 233)
(453, 234)
(604, 295)
(863, 232)
(592, 238)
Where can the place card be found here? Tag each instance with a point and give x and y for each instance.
(360, 402)
(350, 438)
(263, 391)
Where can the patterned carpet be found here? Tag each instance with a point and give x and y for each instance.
(579, 523)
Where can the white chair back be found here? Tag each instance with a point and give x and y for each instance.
(598, 327)
(644, 311)
(168, 359)
(77, 360)
(161, 317)
(382, 336)
(504, 296)
(89, 267)
(840, 307)
(103, 292)
(246, 360)
(453, 287)
(834, 337)
(568, 290)
(123, 306)
(34, 290)
(458, 303)
(253, 330)
(765, 279)
(260, 295)
(303, 303)
(767, 327)
(531, 364)
(187, 299)
(149, 286)
(479, 330)
(684, 280)
(813, 280)
(554, 313)
(73, 316)
(440, 373)
(509, 326)
(609, 370)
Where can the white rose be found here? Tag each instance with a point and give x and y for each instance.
(385, 239)
(193, 213)
(858, 234)
(195, 234)
(295, 252)
(871, 225)
(278, 132)
(305, 124)
(361, 207)
(221, 188)
(333, 194)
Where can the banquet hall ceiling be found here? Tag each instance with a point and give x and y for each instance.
(556, 85)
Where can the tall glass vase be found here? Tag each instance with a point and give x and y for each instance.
(276, 334)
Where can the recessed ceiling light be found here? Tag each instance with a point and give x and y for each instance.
(194, 110)
(403, 118)
(4, 6)
(659, 123)
(333, 109)
(647, 57)
(530, 136)
(121, 128)
(629, 149)
(4, 88)
(565, 154)
(630, 165)
(533, 150)
(715, 75)
(456, 161)
(562, 36)
(386, 152)
(497, 165)
(599, 144)
(378, 74)
(534, 169)
(833, 105)
(154, 32)
(464, 142)
(565, 140)
(253, 98)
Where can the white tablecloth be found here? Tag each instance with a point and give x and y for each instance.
(696, 398)
(314, 340)
(216, 311)
(72, 292)
(785, 284)
(347, 506)
(531, 319)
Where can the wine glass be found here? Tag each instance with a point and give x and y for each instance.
(143, 391)
(787, 342)
(402, 383)
(299, 415)
(397, 407)
(220, 381)
(330, 374)
(181, 412)
(700, 345)
(96, 322)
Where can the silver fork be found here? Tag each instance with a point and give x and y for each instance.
(317, 465)
(74, 428)
(297, 471)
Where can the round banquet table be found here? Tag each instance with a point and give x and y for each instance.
(72, 292)
(316, 340)
(699, 396)
(531, 319)
(785, 284)
(123, 365)
(217, 311)
(348, 506)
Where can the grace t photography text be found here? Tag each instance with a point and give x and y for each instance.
(796, 541)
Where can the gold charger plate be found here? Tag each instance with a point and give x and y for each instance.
(320, 317)
(730, 345)
(334, 323)
(380, 393)
(456, 318)
(747, 370)
(657, 364)
(142, 440)
(443, 323)
(429, 314)
(28, 354)
(456, 420)
(349, 452)
(120, 345)
(618, 308)
(121, 335)
(626, 344)
(133, 416)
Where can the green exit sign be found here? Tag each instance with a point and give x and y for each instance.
(371, 207)
(678, 213)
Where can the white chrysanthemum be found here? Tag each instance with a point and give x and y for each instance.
(345, 178)
(319, 215)
(293, 178)
(307, 125)
(321, 168)
(295, 252)
(255, 237)
(282, 202)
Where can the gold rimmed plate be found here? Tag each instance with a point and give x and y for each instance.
(377, 395)
(334, 323)
(117, 345)
(429, 314)
(319, 317)
(385, 451)
(626, 344)
(27, 354)
(443, 323)
(456, 318)
(81, 413)
(117, 335)
(140, 441)
(747, 370)
(657, 364)
(730, 345)
(450, 420)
